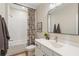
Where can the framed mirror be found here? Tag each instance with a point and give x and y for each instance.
(64, 19)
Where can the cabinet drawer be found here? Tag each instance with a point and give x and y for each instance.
(47, 51)
(38, 52)
(56, 54)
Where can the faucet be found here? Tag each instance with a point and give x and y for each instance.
(56, 39)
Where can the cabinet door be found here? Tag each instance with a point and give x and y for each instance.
(38, 52)
(47, 51)
(56, 54)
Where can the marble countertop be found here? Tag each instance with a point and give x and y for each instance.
(65, 49)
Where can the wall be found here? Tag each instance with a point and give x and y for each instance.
(41, 15)
(3, 10)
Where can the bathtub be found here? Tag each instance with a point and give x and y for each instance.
(16, 47)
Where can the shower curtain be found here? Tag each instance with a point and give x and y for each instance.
(31, 26)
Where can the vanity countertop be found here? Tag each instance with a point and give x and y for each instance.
(65, 50)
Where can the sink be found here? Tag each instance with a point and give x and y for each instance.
(56, 44)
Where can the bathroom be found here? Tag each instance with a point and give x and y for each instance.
(41, 29)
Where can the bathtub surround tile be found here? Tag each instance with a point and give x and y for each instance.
(31, 26)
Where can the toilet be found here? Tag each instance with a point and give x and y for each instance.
(30, 50)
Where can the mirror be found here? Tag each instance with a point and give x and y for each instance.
(63, 19)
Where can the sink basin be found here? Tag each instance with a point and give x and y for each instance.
(55, 44)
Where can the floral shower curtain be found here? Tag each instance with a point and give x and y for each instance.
(31, 26)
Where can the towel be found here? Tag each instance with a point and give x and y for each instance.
(4, 36)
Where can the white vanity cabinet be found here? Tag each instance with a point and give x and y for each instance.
(42, 50)
(38, 50)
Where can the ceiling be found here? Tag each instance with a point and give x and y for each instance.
(31, 5)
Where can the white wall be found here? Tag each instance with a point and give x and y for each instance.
(66, 16)
(41, 15)
(3, 10)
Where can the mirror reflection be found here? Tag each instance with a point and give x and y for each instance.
(63, 19)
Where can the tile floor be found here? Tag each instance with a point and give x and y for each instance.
(22, 54)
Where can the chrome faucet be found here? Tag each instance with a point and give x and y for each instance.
(56, 39)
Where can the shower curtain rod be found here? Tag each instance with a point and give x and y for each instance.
(21, 5)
